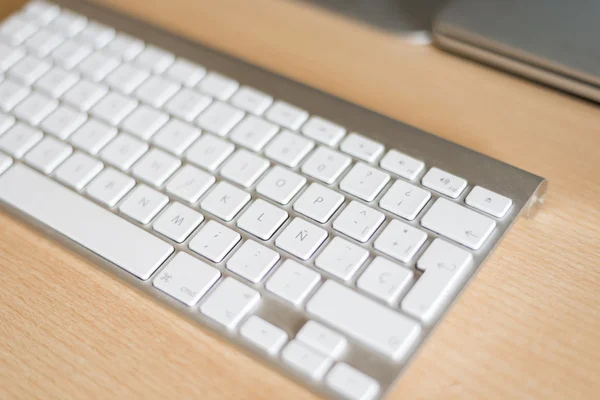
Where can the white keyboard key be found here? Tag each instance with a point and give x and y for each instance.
(318, 202)
(41, 43)
(489, 202)
(48, 154)
(244, 168)
(400, 241)
(351, 383)
(113, 107)
(123, 151)
(110, 186)
(14, 30)
(125, 47)
(385, 280)
(19, 139)
(185, 72)
(280, 185)
(97, 66)
(218, 86)
(323, 131)
(401, 164)
(252, 261)
(189, 183)
(306, 360)
(214, 241)
(155, 167)
(367, 321)
(92, 136)
(6, 121)
(96, 34)
(144, 121)
(289, 148)
(28, 69)
(458, 223)
(156, 91)
(126, 78)
(322, 339)
(253, 133)
(225, 201)
(342, 258)
(34, 108)
(364, 182)
(78, 170)
(301, 238)
(143, 204)
(209, 152)
(11, 94)
(70, 53)
(187, 104)
(361, 147)
(286, 115)
(219, 118)
(56, 82)
(230, 302)
(262, 219)
(358, 221)
(263, 335)
(251, 100)
(446, 268)
(444, 182)
(177, 222)
(186, 278)
(293, 282)
(84, 94)
(40, 12)
(9, 56)
(155, 59)
(104, 233)
(176, 136)
(404, 200)
(68, 23)
(326, 165)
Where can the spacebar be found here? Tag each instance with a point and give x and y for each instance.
(83, 221)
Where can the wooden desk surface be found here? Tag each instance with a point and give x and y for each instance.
(528, 327)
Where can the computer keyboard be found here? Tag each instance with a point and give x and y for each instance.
(243, 200)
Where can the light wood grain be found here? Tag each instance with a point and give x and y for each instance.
(528, 326)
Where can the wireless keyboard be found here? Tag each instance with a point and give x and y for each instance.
(245, 201)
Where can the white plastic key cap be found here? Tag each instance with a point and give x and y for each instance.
(154, 59)
(244, 168)
(401, 164)
(214, 241)
(263, 335)
(123, 151)
(6, 121)
(63, 121)
(92, 136)
(351, 383)
(41, 43)
(301, 238)
(342, 258)
(40, 12)
(367, 321)
(325, 165)
(34, 108)
(97, 66)
(262, 219)
(5, 162)
(364, 182)
(286, 115)
(155, 167)
(48, 154)
(361, 147)
(323, 131)
(186, 278)
(84, 95)
(289, 148)
(78, 170)
(458, 223)
(444, 182)
(187, 104)
(252, 261)
(251, 100)
(209, 152)
(144, 121)
(280, 185)
(219, 118)
(177, 222)
(71, 53)
(318, 202)
(112, 238)
(113, 107)
(56, 82)
(189, 183)
(143, 203)
(322, 339)
(400, 241)
(156, 90)
(445, 269)
(489, 202)
(225, 201)
(68, 23)
(293, 282)
(217, 86)
(11, 94)
(306, 360)
(19, 139)
(28, 69)
(230, 302)
(358, 221)
(125, 47)
(9, 56)
(404, 200)
(185, 72)
(253, 133)
(385, 280)
(14, 30)
(126, 78)
(176, 136)
(110, 186)
(96, 35)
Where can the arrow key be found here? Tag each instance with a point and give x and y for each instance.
(263, 335)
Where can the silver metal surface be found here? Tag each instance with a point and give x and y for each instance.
(522, 187)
